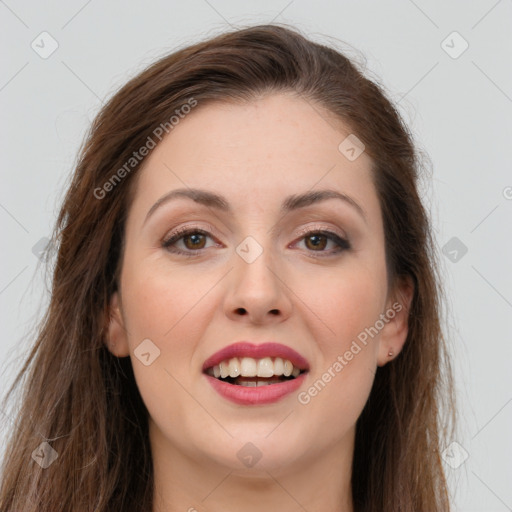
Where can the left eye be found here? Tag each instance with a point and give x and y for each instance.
(317, 241)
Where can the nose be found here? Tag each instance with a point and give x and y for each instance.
(258, 292)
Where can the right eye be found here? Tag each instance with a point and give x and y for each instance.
(193, 240)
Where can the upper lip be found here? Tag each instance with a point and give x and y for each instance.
(257, 351)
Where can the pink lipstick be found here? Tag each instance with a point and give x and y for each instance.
(250, 374)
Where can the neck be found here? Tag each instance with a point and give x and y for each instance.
(187, 483)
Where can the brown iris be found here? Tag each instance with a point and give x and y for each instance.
(197, 241)
(318, 241)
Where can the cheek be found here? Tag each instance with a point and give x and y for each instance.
(344, 302)
(163, 306)
(159, 299)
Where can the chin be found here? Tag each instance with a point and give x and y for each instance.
(252, 452)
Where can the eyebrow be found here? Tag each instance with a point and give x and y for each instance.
(291, 203)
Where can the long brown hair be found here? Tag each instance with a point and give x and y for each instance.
(84, 402)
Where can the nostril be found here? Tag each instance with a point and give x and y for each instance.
(241, 311)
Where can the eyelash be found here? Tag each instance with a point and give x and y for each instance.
(342, 243)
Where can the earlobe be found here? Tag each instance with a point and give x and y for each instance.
(116, 339)
(394, 333)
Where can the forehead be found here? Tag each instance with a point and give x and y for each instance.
(267, 148)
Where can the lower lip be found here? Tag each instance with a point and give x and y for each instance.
(244, 395)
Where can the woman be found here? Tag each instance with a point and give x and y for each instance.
(245, 305)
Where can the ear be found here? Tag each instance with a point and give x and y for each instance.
(396, 318)
(117, 339)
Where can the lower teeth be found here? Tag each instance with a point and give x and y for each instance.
(254, 383)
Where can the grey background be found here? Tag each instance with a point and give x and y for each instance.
(458, 108)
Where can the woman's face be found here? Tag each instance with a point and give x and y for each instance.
(284, 244)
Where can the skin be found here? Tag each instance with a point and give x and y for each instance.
(254, 154)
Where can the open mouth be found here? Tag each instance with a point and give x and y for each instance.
(250, 372)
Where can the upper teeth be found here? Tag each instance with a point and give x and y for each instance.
(249, 367)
